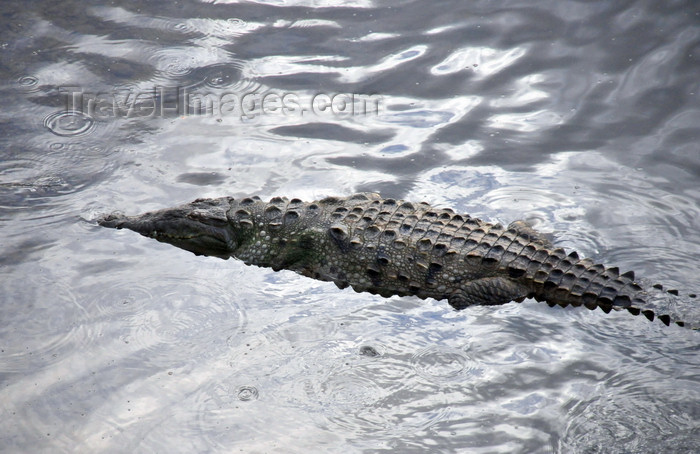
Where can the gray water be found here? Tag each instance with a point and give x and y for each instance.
(581, 117)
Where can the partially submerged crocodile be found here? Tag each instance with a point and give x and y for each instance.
(394, 247)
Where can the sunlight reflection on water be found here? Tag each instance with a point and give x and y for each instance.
(579, 117)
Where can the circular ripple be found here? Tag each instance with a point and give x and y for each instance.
(299, 329)
(46, 331)
(40, 173)
(347, 391)
(365, 401)
(184, 27)
(246, 393)
(622, 416)
(69, 123)
(217, 405)
(118, 303)
(174, 63)
(359, 395)
(220, 76)
(235, 22)
(162, 313)
(441, 363)
(187, 318)
(308, 332)
(28, 81)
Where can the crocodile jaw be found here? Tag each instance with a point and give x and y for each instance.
(200, 229)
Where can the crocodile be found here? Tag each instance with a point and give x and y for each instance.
(395, 247)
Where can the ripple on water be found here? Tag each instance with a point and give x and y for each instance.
(221, 84)
(396, 382)
(164, 313)
(222, 75)
(53, 326)
(362, 388)
(113, 300)
(29, 83)
(69, 123)
(54, 169)
(221, 404)
(292, 328)
(381, 393)
(300, 331)
(441, 364)
(655, 260)
(185, 27)
(175, 64)
(623, 415)
(246, 393)
(346, 397)
(220, 28)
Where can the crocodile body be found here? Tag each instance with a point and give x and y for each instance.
(394, 247)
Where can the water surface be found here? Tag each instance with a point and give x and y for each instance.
(578, 116)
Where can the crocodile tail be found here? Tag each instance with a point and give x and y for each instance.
(564, 279)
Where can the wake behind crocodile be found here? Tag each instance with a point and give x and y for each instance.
(395, 247)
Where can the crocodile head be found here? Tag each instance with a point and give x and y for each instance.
(200, 227)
